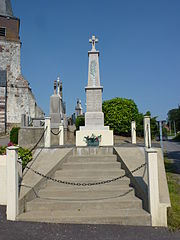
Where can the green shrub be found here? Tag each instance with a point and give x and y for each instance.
(14, 135)
(119, 113)
(2, 150)
(80, 121)
(25, 155)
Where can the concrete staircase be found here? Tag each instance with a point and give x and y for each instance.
(112, 203)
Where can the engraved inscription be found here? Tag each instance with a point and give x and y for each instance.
(93, 72)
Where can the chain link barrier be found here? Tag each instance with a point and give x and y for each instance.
(35, 146)
(85, 184)
(56, 134)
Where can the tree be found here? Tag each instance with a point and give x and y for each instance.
(119, 113)
(174, 116)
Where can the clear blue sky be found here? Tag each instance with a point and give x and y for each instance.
(139, 43)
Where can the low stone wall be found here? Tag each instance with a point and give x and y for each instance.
(132, 157)
(69, 137)
(3, 181)
(29, 136)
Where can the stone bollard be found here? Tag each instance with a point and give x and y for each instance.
(61, 135)
(47, 134)
(133, 132)
(147, 132)
(12, 183)
(153, 185)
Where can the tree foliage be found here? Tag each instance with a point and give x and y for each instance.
(174, 116)
(119, 113)
(80, 121)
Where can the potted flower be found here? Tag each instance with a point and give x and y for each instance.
(93, 140)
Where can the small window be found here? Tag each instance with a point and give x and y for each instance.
(2, 32)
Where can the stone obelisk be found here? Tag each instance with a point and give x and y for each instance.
(94, 117)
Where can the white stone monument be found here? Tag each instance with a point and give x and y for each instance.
(94, 117)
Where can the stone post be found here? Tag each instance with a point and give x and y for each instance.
(153, 185)
(27, 120)
(61, 135)
(147, 132)
(12, 183)
(133, 132)
(47, 134)
(23, 120)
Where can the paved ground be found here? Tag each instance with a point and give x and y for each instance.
(38, 231)
(173, 152)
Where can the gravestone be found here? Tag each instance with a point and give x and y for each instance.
(55, 112)
(79, 109)
(57, 106)
(94, 117)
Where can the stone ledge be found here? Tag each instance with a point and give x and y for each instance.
(106, 139)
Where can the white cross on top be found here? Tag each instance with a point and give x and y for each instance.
(93, 41)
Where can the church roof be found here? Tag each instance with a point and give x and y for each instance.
(6, 8)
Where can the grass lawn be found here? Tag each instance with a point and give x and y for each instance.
(177, 138)
(174, 191)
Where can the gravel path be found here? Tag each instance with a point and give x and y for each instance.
(38, 231)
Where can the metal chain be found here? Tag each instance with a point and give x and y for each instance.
(55, 133)
(35, 146)
(84, 184)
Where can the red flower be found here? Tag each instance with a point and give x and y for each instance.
(10, 144)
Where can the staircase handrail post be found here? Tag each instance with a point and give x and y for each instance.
(153, 185)
(12, 171)
(61, 135)
(133, 132)
(47, 134)
(147, 132)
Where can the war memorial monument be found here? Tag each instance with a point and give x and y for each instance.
(94, 117)
(79, 183)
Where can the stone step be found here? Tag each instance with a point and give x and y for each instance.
(107, 174)
(86, 194)
(72, 188)
(39, 204)
(120, 216)
(92, 158)
(90, 166)
(88, 151)
(123, 181)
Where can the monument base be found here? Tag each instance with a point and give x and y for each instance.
(106, 137)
